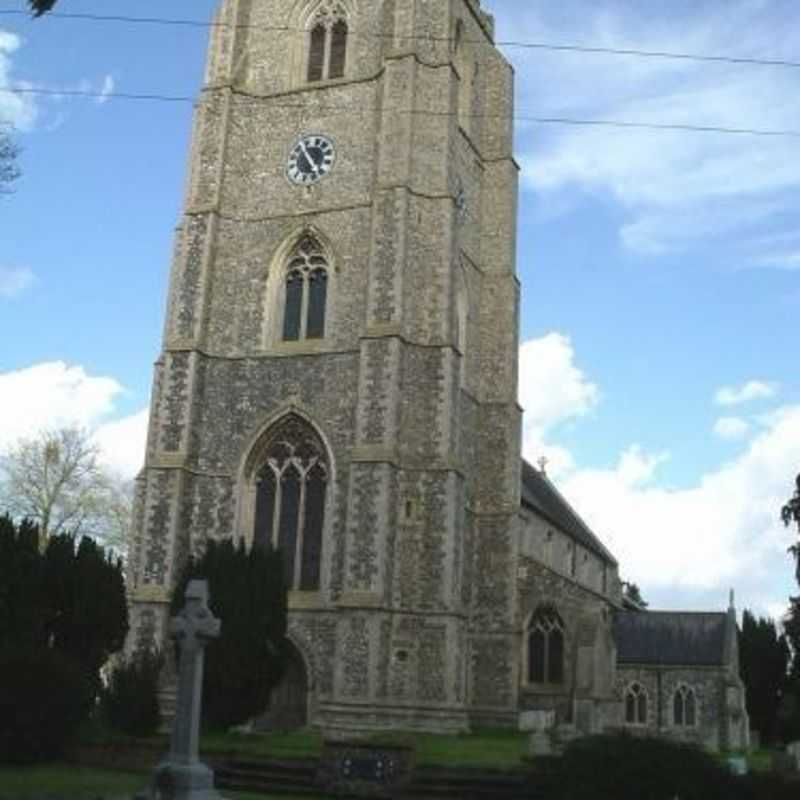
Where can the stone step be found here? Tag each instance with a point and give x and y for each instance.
(297, 777)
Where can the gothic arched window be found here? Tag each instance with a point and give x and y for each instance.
(306, 292)
(636, 704)
(291, 485)
(546, 647)
(327, 43)
(684, 707)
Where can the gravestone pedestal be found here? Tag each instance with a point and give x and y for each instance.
(182, 776)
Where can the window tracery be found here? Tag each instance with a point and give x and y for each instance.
(327, 42)
(306, 292)
(291, 486)
(636, 704)
(546, 647)
(684, 707)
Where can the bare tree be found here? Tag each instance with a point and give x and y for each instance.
(57, 480)
(9, 171)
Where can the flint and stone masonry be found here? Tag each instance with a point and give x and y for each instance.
(339, 376)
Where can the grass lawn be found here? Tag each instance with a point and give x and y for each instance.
(82, 783)
(483, 748)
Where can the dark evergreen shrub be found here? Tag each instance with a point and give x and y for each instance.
(86, 612)
(130, 703)
(625, 767)
(765, 786)
(21, 586)
(242, 666)
(42, 701)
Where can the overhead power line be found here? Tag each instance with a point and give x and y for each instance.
(334, 110)
(530, 45)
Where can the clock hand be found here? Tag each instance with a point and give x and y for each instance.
(309, 159)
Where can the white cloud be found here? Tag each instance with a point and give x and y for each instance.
(637, 468)
(49, 395)
(674, 187)
(55, 394)
(123, 443)
(788, 261)
(106, 89)
(723, 531)
(17, 109)
(552, 390)
(731, 428)
(14, 281)
(752, 390)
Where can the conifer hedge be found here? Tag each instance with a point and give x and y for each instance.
(247, 593)
(62, 614)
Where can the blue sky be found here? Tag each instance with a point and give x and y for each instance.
(660, 269)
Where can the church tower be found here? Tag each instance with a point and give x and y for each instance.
(339, 366)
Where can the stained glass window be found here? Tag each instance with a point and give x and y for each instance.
(684, 707)
(546, 647)
(291, 489)
(636, 704)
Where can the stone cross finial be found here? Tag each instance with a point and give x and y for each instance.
(543, 462)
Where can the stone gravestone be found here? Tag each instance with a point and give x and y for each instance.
(182, 776)
(540, 725)
(793, 751)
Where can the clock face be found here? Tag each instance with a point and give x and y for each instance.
(311, 159)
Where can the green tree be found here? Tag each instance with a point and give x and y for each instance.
(86, 609)
(790, 513)
(764, 664)
(39, 7)
(62, 614)
(631, 592)
(790, 712)
(9, 171)
(247, 593)
(22, 602)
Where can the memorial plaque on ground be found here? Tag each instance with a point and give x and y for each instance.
(358, 769)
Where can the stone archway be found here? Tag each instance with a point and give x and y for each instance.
(288, 703)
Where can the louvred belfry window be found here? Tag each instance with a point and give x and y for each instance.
(327, 43)
(546, 647)
(306, 294)
(291, 487)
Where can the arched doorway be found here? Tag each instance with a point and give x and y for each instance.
(288, 703)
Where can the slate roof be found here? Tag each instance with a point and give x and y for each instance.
(540, 495)
(671, 638)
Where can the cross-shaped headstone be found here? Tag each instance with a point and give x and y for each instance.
(181, 776)
(192, 629)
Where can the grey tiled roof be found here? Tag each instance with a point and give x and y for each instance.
(672, 638)
(539, 494)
